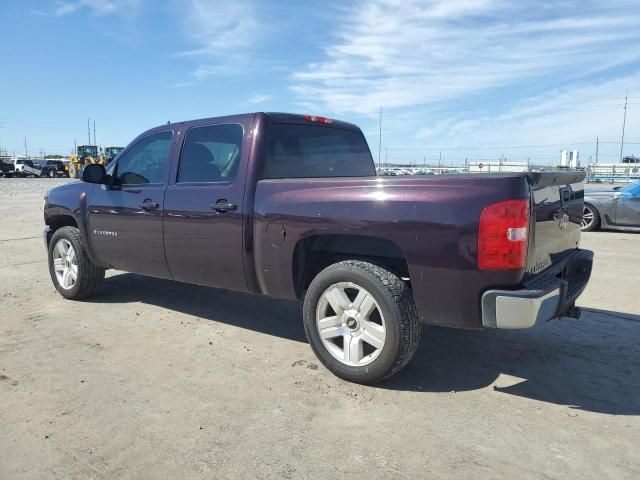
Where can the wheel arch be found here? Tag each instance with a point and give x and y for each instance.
(57, 221)
(315, 252)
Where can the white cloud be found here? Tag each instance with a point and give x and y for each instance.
(218, 28)
(574, 114)
(257, 99)
(403, 53)
(98, 7)
(221, 34)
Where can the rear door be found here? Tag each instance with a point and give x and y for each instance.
(204, 207)
(125, 221)
(558, 199)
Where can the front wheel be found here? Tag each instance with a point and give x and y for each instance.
(361, 321)
(73, 274)
(590, 218)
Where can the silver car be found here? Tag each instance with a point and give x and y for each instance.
(615, 210)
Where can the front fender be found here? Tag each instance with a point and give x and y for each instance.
(68, 205)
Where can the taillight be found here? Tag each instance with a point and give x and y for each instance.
(316, 119)
(503, 234)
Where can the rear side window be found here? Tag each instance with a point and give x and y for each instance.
(311, 151)
(211, 154)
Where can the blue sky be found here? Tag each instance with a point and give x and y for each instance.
(470, 79)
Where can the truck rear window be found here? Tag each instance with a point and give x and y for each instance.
(311, 151)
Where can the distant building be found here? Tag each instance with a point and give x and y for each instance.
(570, 158)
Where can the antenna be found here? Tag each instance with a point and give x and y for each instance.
(94, 133)
(88, 132)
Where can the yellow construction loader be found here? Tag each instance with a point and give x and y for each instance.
(110, 153)
(85, 155)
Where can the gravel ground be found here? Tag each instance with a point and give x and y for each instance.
(155, 379)
(21, 188)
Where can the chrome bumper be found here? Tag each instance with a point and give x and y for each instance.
(547, 296)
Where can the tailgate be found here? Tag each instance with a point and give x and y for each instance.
(558, 198)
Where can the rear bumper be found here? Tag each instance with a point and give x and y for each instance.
(549, 295)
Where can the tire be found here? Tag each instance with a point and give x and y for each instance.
(590, 218)
(52, 174)
(391, 325)
(88, 276)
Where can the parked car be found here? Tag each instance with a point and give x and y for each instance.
(25, 168)
(618, 209)
(7, 169)
(51, 168)
(290, 206)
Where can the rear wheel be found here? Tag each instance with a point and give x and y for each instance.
(73, 274)
(361, 321)
(590, 218)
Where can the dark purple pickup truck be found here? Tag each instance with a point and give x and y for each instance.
(290, 206)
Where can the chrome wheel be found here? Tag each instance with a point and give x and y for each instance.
(350, 324)
(65, 264)
(588, 217)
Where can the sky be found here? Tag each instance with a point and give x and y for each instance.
(454, 79)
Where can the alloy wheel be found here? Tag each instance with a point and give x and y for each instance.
(65, 264)
(350, 324)
(588, 217)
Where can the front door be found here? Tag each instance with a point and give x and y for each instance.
(125, 221)
(203, 209)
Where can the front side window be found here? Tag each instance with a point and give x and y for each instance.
(211, 154)
(147, 160)
(311, 151)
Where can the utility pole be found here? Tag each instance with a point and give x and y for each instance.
(424, 161)
(89, 131)
(386, 154)
(26, 150)
(380, 136)
(94, 133)
(597, 146)
(624, 121)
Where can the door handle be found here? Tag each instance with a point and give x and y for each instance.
(223, 206)
(149, 204)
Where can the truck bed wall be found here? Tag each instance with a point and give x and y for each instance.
(432, 221)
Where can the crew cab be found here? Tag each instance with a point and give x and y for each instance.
(290, 206)
(51, 168)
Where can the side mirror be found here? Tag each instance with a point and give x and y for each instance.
(94, 173)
